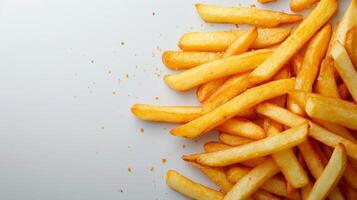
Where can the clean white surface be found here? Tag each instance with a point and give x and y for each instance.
(64, 134)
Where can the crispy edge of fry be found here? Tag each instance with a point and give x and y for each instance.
(316, 19)
(205, 90)
(242, 44)
(216, 175)
(233, 140)
(242, 102)
(215, 146)
(216, 69)
(256, 149)
(243, 128)
(345, 68)
(189, 188)
(351, 45)
(253, 180)
(299, 5)
(326, 83)
(177, 60)
(243, 15)
(330, 176)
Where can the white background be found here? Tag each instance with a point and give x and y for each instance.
(66, 131)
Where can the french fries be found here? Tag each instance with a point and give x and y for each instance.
(220, 40)
(236, 172)
(330, 176)
(255, 178)
(240, 15)
(333, 110)
(316, 19)
(242, 44)
(263, 147)
(351, 45)
(189, 188)
(345, 68)
(347, 22)
(243, 128)
(242, 102)
(178, 60)
(205, 90)
(299, 5)
(215, 146)
(265, 1)
(216, 69)
(326, 83)
(263, 195)
(233, 140)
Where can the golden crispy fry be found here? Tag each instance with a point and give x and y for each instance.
(216, 69)
(220, 40)
(260, 148)
(233, 140)
(252, 181)
(230, 89)
(242, 44)
(171, 114)
(254, 162)
(316, 19)
(215, 146)
(216, 175)
(243, 128)
(299, 5)
(236, 172)
(335, 128)
(326, 83)
(345, 68)
(333, 110)
(343, 91)
(280, 101)
(351, 45)
(286, 160)
(205, 90)
(330, 176)
(315, 52)
(189, 188)
(347, 22)
(242, 102)
(265, 1)
(263, 195)
(177, 60)
(240, 15)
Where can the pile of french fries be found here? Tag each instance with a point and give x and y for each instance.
(283, 101)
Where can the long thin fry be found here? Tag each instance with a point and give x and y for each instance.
(215, 146)
(316, 19)
(233, 140)
(347, 22)
(351, 45)
(177, 60)
(241, 15)
(299, 5)
(326, 83)
(242, 102)
(242, 44)
(216, 69)
(243, 128)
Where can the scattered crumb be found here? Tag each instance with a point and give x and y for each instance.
(129, 169)
(157, 98)
(127, 75)
(93, 83)
(153, 13)
(237, 26)
(142, 130)
(74, 96)
(183, 146)
(165, 128)
(135, 54)
(122, 43)
(120, 190)
(114, 93)
(136, 66)
(163, 160)
(102, 127)
(152, 169)
(92, 61)
(110, 71)
(253, 6)
(158, 48)
(152, 54)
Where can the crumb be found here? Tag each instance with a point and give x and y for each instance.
(163, 160)
(183, 146)
(165, 128)
(237, 26)
(127, 75)
(121, 190)
(153, 54)
(110, 71)
(136, 66)
(74, 96)
(93, 83)
(142, 130)
(92, 61)
(114, 93)
(122, 43)
(152, 169)
(129, 169)
(135, 54)
(153, 13)
(158, 48)
(102, 127)
(253, 6)
(157, 98)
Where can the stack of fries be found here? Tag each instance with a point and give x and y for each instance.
(283, 102)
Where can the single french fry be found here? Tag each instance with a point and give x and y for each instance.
(233, 140)
(216, 69)
(260, 148)
(296, 63)
(220, 40)
(326, 82)
(243, 128)
(335, 128)
(178, 60)
(230, 89)
(236, 172)
(351, 45)
(333, 110)
(191, 157)
(189, 188)
(283, 74)
(254, 161)
(241, 15)
(345, 68)
(244, 101)
(215, 146)
(299, 5)
(252, 181)
(343, 91)
(330, 176)
(216, 175)
(286, 160)
(205, 90)
(263, 195)
(242, 44)
(316, 19)
(265, 1)
(171, 114)
(315, 52)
